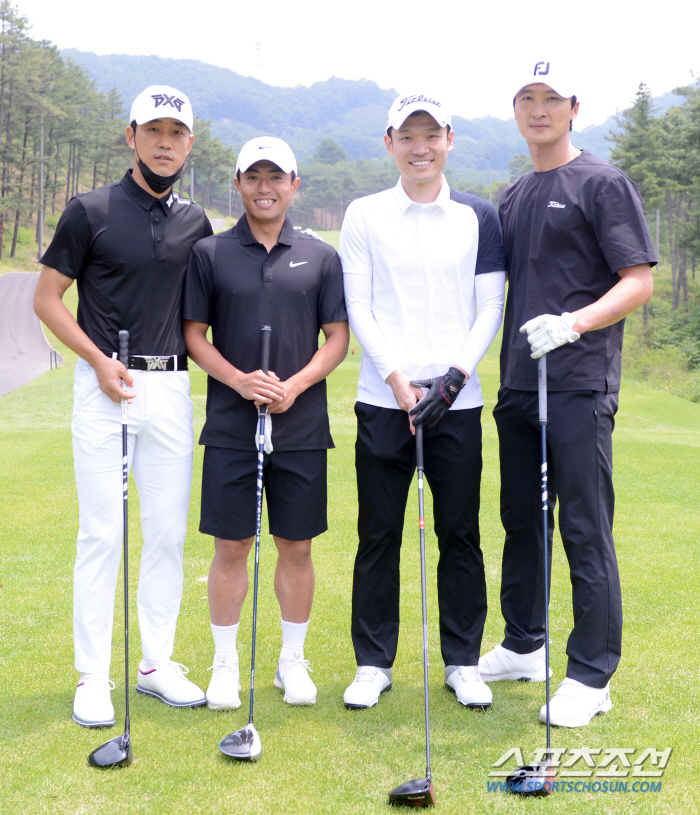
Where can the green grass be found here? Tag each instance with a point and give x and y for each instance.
(326, 759)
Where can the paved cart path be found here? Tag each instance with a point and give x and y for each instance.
(25, 352)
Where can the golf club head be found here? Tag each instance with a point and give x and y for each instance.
(416, 793)
(113, 753)
(534, 779)
(243, 744)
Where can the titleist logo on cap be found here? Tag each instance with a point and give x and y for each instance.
(409, 100)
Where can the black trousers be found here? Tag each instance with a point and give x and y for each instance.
(385, 461)
(579, 462)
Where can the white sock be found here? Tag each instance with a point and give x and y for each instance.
(150, 664)
(84, 676)
(293, 637)
(225, 642)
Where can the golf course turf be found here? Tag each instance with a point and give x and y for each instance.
(326, 759)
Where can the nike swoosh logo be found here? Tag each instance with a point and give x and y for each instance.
(301, 263)
(264, 147)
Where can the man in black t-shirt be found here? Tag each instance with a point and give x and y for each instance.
(127, 245)
(264, 272)
(580, 260)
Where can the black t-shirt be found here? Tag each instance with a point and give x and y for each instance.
(236, 287)
(568, 231)
(128, 251)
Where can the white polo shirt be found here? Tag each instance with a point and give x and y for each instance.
(420, 287)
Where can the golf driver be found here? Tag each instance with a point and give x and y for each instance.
(535, 779)
(420, 792)
(245, 744)
(117, 751)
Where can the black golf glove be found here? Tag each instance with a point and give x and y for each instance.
(443, 390)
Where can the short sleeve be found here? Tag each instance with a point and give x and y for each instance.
(208, 230)
(354, 246)
(620, 226)
(69, 251)
(197, 296)
(491, 256)
(332, 300)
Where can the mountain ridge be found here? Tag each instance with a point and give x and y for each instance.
(352, 112)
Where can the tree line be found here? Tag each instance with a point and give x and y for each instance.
(60, 136)
(661, 154)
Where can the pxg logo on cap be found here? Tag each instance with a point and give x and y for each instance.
(162, 102)
(404, 106)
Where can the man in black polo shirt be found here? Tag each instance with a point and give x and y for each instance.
(580, 260)
(127, 245)
(263, 272)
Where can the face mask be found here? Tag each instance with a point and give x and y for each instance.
(158, 183)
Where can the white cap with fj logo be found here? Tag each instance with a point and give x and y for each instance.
(404, 106)
(162, 102)
(552, 75)
(267, 148)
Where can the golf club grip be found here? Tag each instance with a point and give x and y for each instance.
(419, 447)
(124, 347)
(542, 387)
(265, 359)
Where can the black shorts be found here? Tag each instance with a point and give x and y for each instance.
(295, 485)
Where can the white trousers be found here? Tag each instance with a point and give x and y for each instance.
(160, 445)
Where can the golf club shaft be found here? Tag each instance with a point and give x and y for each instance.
(542, 404)
(124, 359)
(262, 413)
(421, 525)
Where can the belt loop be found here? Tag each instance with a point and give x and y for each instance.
(114, 354)
(175, 359)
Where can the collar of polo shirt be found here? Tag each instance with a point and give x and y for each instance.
(442, 201)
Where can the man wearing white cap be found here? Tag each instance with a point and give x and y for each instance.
(127, 245)
(580, 260)
(264, 272)
(424, 277)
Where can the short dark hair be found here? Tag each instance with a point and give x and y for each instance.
(573, 105)
(238, 174)
(132, 125)
(415, 113)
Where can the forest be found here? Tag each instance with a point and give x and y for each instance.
(60, 134)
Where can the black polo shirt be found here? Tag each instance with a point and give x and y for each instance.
(236, 287)
(568, 232)
(128, 251)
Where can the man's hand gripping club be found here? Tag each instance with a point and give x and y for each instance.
(442, 392)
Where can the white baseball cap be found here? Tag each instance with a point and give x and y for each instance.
(405, 105)
(161, 102)
(267, 148)
(551, 74)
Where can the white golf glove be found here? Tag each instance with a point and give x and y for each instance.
(310, 233)
(268, 434)
(547, 332)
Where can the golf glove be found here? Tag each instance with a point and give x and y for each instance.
(268, 434)
(310, 233)
(547, 332)
(442, 392)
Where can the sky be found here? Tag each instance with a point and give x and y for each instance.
(473, 55)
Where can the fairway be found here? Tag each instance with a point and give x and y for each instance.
(325, 759)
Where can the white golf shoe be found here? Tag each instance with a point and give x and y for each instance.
(575, 704)
(293, 678)
(222, 693)
(500, 663)
(92, 706)
(367, 686)
(167, 682)
(470, 688)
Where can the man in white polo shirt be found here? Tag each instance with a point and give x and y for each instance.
(424, 285)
